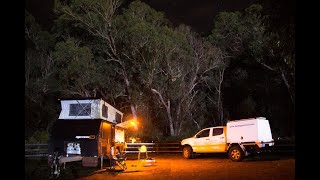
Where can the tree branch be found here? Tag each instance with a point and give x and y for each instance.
(160, 97)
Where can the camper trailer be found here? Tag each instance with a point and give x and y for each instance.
(87, 130)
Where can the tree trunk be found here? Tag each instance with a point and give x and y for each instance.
(287, 85)
(168, 109)
(127, 82)
(172, 133)
(284, 79)
(220, 106)
(180, 127)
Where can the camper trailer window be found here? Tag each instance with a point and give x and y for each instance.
(118, 118)
(104, 111)
(83, 109)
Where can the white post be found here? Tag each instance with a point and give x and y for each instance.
(101, 163)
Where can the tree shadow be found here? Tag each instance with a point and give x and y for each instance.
(271, 156)
(266, 156)
(212, 155)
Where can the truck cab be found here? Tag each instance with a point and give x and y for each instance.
(208, 140)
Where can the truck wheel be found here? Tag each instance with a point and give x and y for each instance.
(187, 152)
(235, 153)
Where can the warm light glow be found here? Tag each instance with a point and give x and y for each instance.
(143, 148)
(133, 123)
(129, 123)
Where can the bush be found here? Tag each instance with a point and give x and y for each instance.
(171, 139)
(38, 137)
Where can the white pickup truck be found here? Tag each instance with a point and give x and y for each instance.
(239, 138)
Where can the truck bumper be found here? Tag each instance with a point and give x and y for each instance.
(265, 144)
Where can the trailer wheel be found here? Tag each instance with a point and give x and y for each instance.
(187, 152)
(235, 153)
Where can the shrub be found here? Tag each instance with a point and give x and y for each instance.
(38, 137)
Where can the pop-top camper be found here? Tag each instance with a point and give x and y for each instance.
(87, 130)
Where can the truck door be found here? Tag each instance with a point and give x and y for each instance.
(201, 141)
(217, 140)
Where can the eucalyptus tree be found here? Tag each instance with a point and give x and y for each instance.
(96, 17)
(246, 35)
(39, 67)
(166, 62)
(151, 57)
(38, 58)
(75, 71)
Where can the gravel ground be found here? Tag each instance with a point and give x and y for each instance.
(173, 166)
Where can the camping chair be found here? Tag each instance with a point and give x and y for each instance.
(147, 161)
(119, 160)
(143, 149)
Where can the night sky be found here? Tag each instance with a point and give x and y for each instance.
(197, 14)
(42, 10)
(200, 14)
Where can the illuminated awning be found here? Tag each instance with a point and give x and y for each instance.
(127, 124)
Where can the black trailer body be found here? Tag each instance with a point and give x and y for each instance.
(86, 138)
(85, 131)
